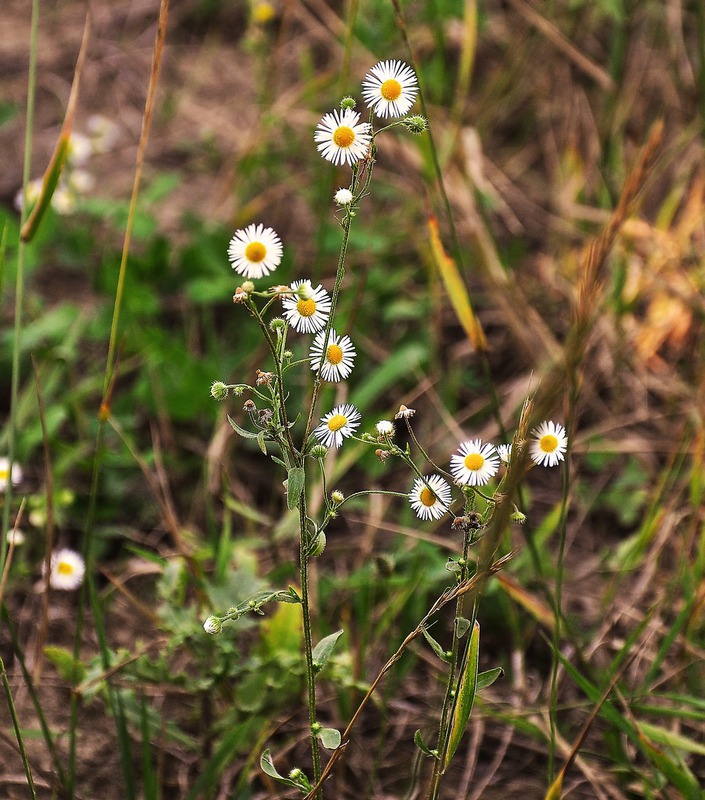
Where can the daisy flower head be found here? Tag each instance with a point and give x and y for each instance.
(475, 464)
(5, 473)
(341, 138)
(67, 570)
(430, 497)
(338, 424)
(343, 197)
(255, 251)
(390, 88)
(336, 362)
(307, 309)
(384, 428)
(504, 451)
(549, 444)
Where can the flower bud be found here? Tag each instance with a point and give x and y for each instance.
(219, 391)
(415, 123)
(319, 451)
(213, 625)
(277, 324)
(347, 103)
(248, 287)
(337, 497)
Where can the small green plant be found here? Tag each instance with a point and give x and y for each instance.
(389, 90)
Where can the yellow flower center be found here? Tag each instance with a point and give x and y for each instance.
(255, 251)
(334, 355)
(427, 497)
(548, 443)
(390, 90)
(474, 461)
(4, 474)
(307, 308)
(64, 568)
(337, 422)
(344, 136)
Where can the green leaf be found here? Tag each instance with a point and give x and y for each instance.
(267, 766)
(462, 626)
(435, 646)
(261, 441)
(423, 747)
(465, 698)
(70, 669)
(295, 486)
(487, 678)
(323, 650)
(244, 433)
(330, 737)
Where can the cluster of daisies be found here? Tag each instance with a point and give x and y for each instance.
(389, 90)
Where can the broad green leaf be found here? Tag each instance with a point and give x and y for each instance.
(295, 486)
(465, 698)
(70, 669)
(435, 646)
(323, 650)
(487, 678)
(423, 747)
(330, 738)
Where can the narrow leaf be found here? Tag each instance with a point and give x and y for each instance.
(423, 747)
(455, 289)
(555, 790)
(244, 433)
(323, 650)
(261, 442)
(295, 486)
(330, 738)
(435, 646)
(465, 698)
(487, 678)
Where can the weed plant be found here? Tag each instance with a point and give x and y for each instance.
(534, 255)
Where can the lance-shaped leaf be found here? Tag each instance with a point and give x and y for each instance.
(242, 431)
(456, 289)
(322, 651)
(267, 766)
(423, 747)
(295, 486)
(487, 678)
(465, 697)
(435, 646)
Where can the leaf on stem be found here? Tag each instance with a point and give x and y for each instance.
(322, 651)
(465, 698)
(295, 486)
(330, 738)
(423, 747)
(436, 647)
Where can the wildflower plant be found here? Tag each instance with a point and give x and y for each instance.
(298, 440)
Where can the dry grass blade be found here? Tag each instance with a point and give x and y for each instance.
(58, 159)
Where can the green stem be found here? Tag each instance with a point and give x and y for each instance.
(308, 641)
(16, 726)
(451, 687)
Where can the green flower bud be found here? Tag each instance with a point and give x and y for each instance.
(319, 451)
(219, 391)
(347, 103)
(277, 324)
(415, 123)
(248, 287)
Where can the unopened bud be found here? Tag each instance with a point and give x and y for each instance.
(213, 625)
(219, 391)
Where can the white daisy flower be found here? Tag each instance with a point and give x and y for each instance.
(307, 309)
(385, 428)
(255, 251)
(390, 88)
(504, 451)
(338, 359)
(5, 473)
(341, 422)
(549, 444)
(430, 497)
(343, 197)
(341, 138)
(476, 464)
(67, 570)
